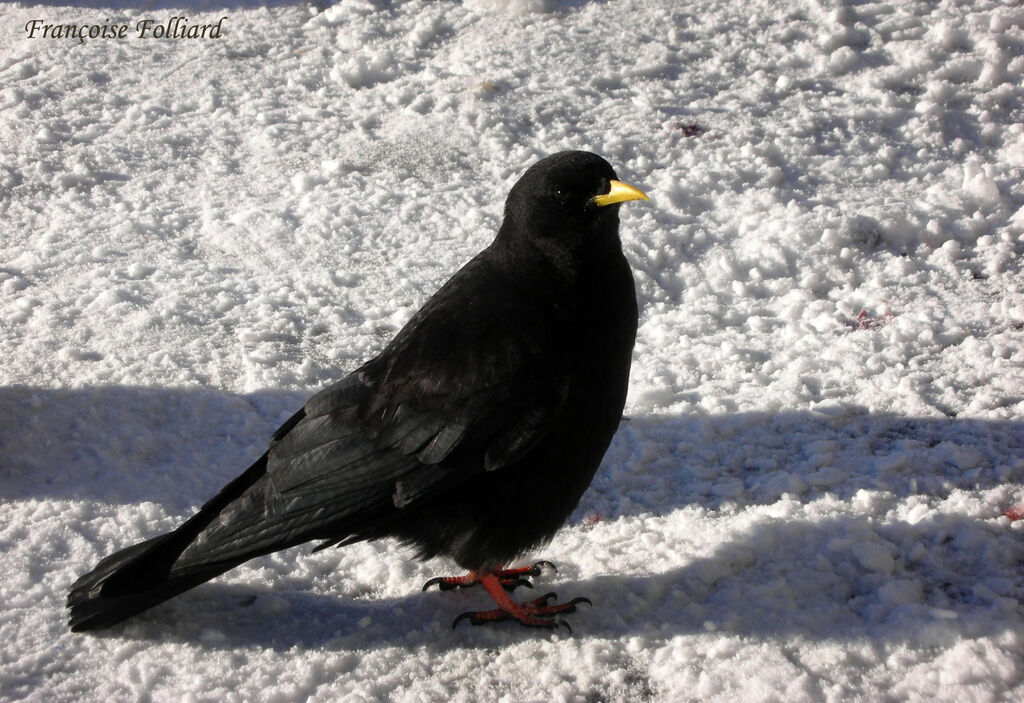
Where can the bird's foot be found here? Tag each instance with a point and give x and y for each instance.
(534, 613)
(510, 579)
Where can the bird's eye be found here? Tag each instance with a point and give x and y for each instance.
(562, 195)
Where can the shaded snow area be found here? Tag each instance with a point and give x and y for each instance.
(818, 492)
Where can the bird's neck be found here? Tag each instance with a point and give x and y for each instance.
(570, 271)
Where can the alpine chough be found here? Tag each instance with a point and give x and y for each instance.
(472, 435)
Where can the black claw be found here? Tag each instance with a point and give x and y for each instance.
(543, 600)
(538, 566)
(513, 585)
(442, 584)
(552, 623)
(462, 616)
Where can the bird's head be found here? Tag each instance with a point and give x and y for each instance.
(569, 196)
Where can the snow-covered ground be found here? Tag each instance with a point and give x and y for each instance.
(807, 502)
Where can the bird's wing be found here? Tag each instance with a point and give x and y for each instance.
(470, 384)
(322, 478)
(474, 380)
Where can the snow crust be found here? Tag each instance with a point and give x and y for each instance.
(817, 494)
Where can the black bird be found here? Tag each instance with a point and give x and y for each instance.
(472, 435)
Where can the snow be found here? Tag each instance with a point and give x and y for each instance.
(817, 492)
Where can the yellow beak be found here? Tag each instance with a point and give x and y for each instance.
(619, 193)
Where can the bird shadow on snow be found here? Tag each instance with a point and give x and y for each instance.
(842, 576)
(178, 446)
(657, 464)
(129, 445)
(787, 579)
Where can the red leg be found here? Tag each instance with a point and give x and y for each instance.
(534, 613)
(510, 579)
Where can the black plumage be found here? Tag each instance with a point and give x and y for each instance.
(473, 434)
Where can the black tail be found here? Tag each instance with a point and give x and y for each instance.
(141, 582)
(139, 577)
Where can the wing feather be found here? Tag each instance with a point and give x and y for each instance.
(462, 388)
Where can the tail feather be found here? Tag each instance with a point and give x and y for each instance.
(92, 607)
(141, 576)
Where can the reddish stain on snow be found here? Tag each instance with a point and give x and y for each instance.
(1015, 513)
(865, 321)
(689, 129)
